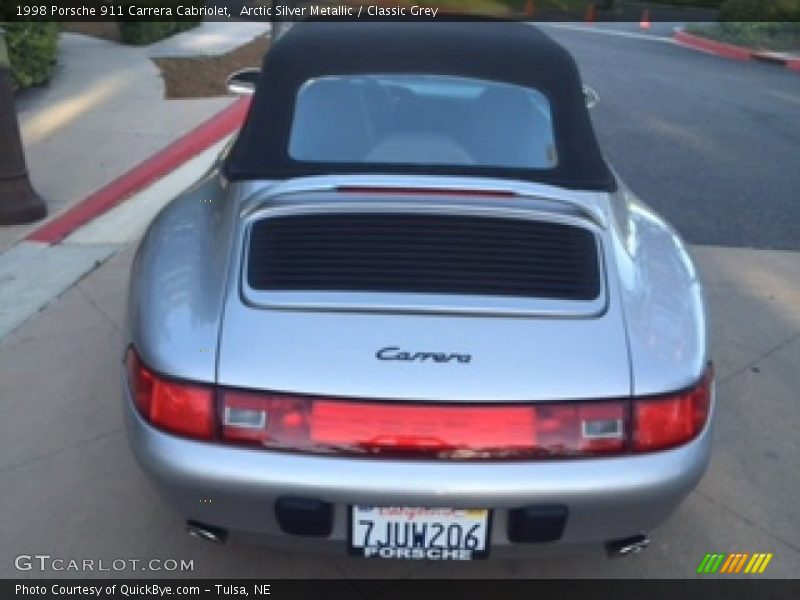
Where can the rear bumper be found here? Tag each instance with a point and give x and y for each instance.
(236, 489)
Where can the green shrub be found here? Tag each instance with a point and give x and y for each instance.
(782, 37)
(762, 24)
(760, 10)
(771, 24)
(688, 3)
(31, 51)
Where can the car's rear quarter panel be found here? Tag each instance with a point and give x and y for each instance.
(178, 278)
(662, 296)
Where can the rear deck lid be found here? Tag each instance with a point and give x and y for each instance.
(406, 301)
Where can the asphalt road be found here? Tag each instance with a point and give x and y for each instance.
(712, 144)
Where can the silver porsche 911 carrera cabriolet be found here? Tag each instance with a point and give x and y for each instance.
(412, 313)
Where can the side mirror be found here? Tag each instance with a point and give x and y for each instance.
(590, 96)
(243, 83)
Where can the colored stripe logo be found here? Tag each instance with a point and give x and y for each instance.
(740, 562)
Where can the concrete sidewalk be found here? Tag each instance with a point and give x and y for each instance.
(211, 38)
(103, 113)
(107, 100)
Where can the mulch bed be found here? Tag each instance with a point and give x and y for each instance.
(190, 76)
(205, 76)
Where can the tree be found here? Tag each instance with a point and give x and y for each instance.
(19, 202)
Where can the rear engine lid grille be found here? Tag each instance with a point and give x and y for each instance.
(423, 254)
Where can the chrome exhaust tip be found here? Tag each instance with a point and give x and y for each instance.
(215, 535)
(627, 546)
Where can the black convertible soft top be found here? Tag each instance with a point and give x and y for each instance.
(502, 51)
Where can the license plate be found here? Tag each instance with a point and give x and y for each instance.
(419, 533)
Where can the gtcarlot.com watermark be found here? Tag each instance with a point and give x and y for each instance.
(46, 562)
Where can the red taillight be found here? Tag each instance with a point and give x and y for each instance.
(140, 382)
(581, 427)
(184, 409)
(668, 421)
(271, 420)
(405, 427)
(323, 425)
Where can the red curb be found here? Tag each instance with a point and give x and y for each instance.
(732, 51)
(706, 45)
(175, 154)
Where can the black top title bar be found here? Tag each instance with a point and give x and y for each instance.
(295, 10)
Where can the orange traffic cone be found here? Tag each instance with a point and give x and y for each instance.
(530, 8)
(591, 14)
(645, 22)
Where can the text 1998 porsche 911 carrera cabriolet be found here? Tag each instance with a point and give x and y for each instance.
(411, 312)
